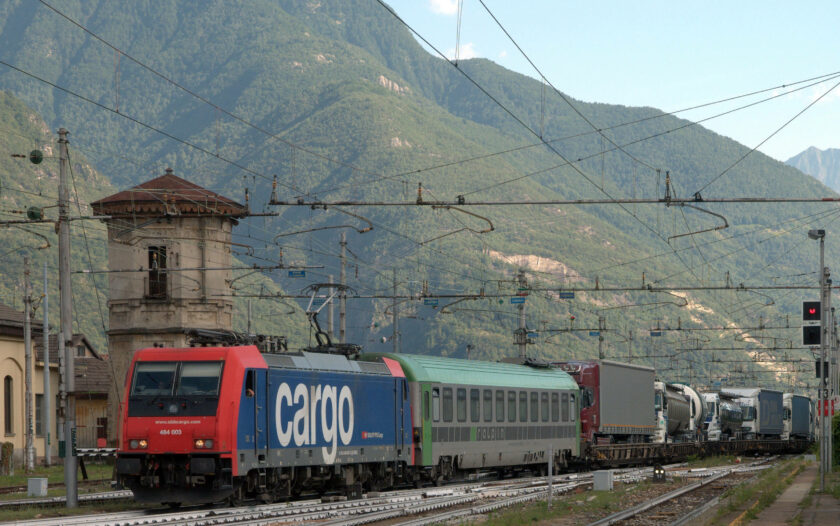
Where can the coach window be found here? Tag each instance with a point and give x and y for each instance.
(427, 412)
(555, 407)
(462, 405)
(523, 406)
(436, 404)
(535, 407)
(500, 406)
(511, 406)
(544, 407)
(572, 406)
(475, 405)
(447, 404)
(488, 405)
(565, 407)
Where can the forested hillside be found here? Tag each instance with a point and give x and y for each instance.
(341, 103)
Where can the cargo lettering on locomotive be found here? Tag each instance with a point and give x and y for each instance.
(297, 417)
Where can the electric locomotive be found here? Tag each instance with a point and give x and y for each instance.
(205, 424)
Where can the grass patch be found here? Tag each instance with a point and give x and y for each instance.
(54, 474)
(37, 512)
(763, 491)
(589, 503)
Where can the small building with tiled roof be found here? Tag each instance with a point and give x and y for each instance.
(93, 376)
(169, 259)
(168, 195)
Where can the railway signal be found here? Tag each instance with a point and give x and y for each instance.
(811, 323)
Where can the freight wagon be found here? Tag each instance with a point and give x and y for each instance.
(616, 400)
(763, 411)
(797, 416)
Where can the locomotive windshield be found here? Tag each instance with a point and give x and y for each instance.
(154, 378)
(183, 388)
(199, 378)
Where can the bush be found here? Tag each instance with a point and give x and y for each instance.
(6, 452)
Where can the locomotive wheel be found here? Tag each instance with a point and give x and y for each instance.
(235, 498)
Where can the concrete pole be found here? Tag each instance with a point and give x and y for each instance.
(46, 417)
(342, 308)
(829, 436)
(331, 312)
(29, 444)
(395, 315)
(821, 398)
(66, 316)
(550, 473)
(602, 325)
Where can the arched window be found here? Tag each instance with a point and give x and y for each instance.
(8, 414)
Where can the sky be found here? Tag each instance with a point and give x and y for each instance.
(668, 55)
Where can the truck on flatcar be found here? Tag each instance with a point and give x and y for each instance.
(617, 400)
(763, 412)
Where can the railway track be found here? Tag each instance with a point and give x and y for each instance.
(683, 504)
(474, 497)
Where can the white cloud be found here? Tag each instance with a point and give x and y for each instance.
(444, 7)
(467, 51)
(503, 54)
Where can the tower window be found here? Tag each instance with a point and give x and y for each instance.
(157, 272)
(8, 414)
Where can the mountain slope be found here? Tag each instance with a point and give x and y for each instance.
(822, 165)
(377, 115)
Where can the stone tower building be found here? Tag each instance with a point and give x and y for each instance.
(169, 255)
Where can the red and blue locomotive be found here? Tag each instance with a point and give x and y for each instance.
(208, 423)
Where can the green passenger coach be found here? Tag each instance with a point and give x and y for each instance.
(476, 415)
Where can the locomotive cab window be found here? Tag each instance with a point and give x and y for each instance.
(436, 404)
(250, 384)
(153, 378)
(200, 379)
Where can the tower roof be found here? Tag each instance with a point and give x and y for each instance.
(168, 195)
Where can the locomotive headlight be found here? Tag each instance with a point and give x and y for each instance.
(134, 444)
(143, 444)
(202, 443)
(208, 443)
(199, 443)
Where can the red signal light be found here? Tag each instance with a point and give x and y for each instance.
(812, 311)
